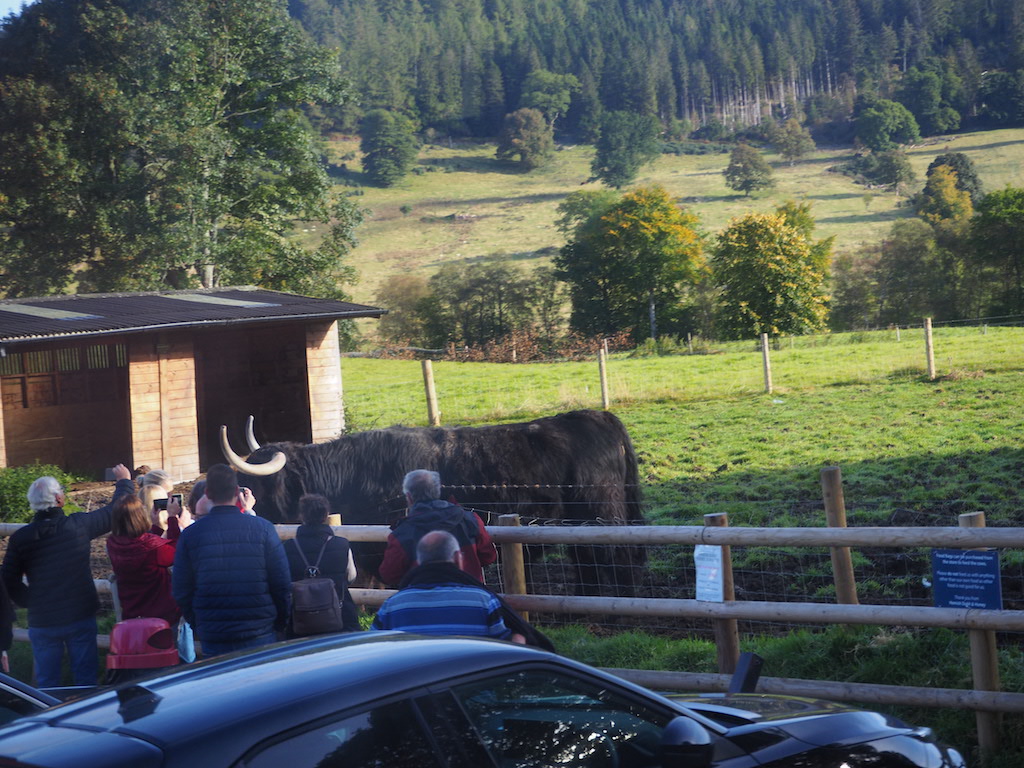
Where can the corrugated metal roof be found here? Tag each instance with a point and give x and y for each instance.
(54, 317)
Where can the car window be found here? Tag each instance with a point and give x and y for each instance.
(537, 718)
(13, 706)
(388, 736)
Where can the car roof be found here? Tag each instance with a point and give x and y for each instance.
(279, 687)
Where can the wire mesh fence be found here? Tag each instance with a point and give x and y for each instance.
(885, 575)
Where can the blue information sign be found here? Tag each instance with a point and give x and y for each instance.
(966, 578)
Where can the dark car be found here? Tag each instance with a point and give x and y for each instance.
(401, 701)
(20, 700)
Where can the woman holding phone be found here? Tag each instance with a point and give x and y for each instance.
(154, 486)
(142, 560)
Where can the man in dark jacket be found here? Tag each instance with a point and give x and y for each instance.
(230, 571)
(53, 551)
(427, 512)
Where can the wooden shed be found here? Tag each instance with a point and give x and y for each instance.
(89, 381)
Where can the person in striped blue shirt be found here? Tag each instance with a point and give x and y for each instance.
(435, 599)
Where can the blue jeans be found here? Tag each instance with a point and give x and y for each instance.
(211, 648)
(48, 644)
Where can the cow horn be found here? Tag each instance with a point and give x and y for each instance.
(250, 435)
(276, 463)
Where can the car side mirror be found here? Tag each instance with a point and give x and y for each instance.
(685, 743)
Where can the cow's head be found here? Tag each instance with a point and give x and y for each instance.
(266, 471)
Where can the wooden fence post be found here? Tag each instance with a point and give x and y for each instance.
(513, 565)
(766, 358)
(984, 664)
(727, 634)
(897, 333)
(602, 367)
(929, 348)
(835, 514)
(433, 414)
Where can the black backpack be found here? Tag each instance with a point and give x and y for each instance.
(316, 609)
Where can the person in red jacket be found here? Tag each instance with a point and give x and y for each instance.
(427, 512)
(141, 560)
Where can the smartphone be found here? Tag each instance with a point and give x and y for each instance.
(160, 503)
(176, 497)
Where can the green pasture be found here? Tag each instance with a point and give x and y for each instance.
(463, 205)
(711, 440)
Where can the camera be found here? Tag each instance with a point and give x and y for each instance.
(160, 503)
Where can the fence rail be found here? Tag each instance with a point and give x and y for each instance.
(971, 620)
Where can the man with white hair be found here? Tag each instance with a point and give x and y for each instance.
(437, 598)
(53, 552)
(429, 512)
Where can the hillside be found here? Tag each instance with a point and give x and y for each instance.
(466, 206)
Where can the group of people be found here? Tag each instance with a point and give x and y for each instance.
(212, 566)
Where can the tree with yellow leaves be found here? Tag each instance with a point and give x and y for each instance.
(640, 252)
(770, 275)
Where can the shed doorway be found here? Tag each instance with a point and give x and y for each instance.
(259, 371)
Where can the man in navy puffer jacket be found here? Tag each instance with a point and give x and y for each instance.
(231, 577)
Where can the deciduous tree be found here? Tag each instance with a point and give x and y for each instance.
(942, 202)
(401, 295)
(549, 93)
(635, 257)
(791, 140)
(967, 177)
(998, 236)
(885, 125)
(747, 171)
(146, 143)
(769, 278)
(893, 169)
(527, 136)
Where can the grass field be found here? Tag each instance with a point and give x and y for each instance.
(710, 439)
(466, 206)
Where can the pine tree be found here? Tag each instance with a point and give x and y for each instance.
(389, 146)
(627, 142)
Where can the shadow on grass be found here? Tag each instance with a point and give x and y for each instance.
(506, 201)
(837, 196)
(490, 258)
(928, 489)
(473, 164)
(992, 145)
(868, 217)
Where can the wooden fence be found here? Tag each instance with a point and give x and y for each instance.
(987, 701)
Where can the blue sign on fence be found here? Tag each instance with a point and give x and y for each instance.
(966, 578)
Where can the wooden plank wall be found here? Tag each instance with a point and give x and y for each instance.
(323, 369)
(3, 441)
(162, 393)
